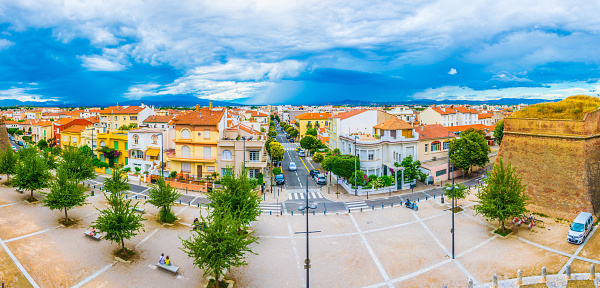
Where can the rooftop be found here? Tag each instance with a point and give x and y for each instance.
(393, 124)
(204, 116)
(158, 119)
(312, 116)
(433, 131)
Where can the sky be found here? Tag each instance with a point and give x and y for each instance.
(297, 52)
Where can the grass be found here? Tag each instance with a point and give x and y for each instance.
(503, 234)
(212, 282)
(66, 222)
(457, 209)
(540, 214)
(571, 108)
(125, 254)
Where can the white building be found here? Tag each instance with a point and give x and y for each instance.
(145, 149)
(359, 121)
(449, 116)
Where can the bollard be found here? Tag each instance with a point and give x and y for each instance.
(135, 197)
(495, 281)
(568, 272)
(281, 213)
(292, 212)
(349, 211)
(324, 212)
(179, 201)
(185, 190)
(425, 198)
(373, 207)
(92, 192)
(313, 212)
(198, 204)
(543, 280)
(418, 200)
(433, 196)
(470, 285)
(360, 209)
(519, 277)
(144, 197)
(302, 213)
(391, 204)
(381, 206)
(271, 212)
(442, 198)
(189, 203)
(592, 272)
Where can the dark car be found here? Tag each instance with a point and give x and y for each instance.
(291, 140)
(279, 179)
(314, 172)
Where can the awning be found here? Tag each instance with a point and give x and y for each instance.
(152, 152)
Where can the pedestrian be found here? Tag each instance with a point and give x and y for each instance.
(168, 261)
(162, 259)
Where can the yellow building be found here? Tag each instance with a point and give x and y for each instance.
(72, 135)
(311, 120)
(114, 140)
(116, 116)
(42, 130)
(196, 136)
(89, 136)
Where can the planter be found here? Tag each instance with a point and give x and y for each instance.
(229, 283)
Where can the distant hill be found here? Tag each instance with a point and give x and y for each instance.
(167, 101)
(503, 101)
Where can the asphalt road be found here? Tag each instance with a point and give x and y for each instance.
(300, 178)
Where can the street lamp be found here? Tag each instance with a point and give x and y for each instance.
(355, 156)
(306, 208)
(452, 231)
(162, 170)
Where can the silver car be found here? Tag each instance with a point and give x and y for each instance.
(292, 166)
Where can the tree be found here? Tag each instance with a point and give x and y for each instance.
(468, 150)
(119, 220)
(360, 178)
(173, 174)
(78, 162)
(327, 163)
(318, 157)
(8, 162)
(460, 191)
(162, 196)
(499, 132)
(309, 125)
(49, 158)
(42, 144)
(278, 151)
(343, 165)
(236, 198)
(312, 132)
(503, 195)
(309, 142)
(272, 133)
(411, 168)
(219, 245)
(110, 154)
(473, 130)
(294, 133)
(32, 173)
(65, 193)
(276, 171)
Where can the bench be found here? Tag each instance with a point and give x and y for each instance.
(172, 269)
(138, 209)
(19, 189)
(96, 236)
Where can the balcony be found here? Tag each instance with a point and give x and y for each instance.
(191, 159)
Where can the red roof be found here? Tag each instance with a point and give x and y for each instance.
(484, 115)
(433, 131)
(349, 114)
(465, 127)
(204, 116)
(313, 116)
(258, 114)
(158, 119)
(464, 110)
(393, 124)
(445, 111)
(122, 110)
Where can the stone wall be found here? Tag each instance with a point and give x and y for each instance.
(4, 142)
(559, 161)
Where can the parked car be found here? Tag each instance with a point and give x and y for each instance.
(291, 140)
(279, 179)
(314, 172)
(581, 227)
(320, 179)
(298, 149)
(292, 166)
(301, 153)
(20, 143)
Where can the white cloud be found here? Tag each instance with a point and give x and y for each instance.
(5, 44)
(22, 94)
(452, 71)
(97, 63)
(508, 77)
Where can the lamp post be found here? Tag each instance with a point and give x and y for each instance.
(271, 148)
(244, 162)
(355, 156)
(306, 208)
(162, 170)
(452, 231)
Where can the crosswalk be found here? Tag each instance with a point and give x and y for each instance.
(302, 195)
(356, 205)
(290, 149)
(274, 208)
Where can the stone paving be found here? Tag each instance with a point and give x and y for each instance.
(390, 247)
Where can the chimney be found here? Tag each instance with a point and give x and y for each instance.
(210, 105)
(117, 105)
(197, 107)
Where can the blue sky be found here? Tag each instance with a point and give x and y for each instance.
(260, 52)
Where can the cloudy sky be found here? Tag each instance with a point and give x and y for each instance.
(90, 51)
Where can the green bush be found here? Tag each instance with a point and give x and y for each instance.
(277, 171)
(173, 174)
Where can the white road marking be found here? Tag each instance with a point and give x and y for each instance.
(14, 259)
(372, 253)
(558, 252)
(181, 210)
(31, 234)
(8, 204)
(91, 277)
(564, 268)
(147, 237)
(439, 243)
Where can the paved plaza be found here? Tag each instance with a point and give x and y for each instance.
(389, 247)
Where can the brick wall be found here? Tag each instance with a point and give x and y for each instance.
(559, 161)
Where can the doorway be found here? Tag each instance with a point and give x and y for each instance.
(199, 171)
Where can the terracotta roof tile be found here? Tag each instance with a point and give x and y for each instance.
(393, 124)
(464, 110)
(312, 116)
(63, 121)
(43, 123)
(204, 116)
(122, 110)
(433, 131)
(258, 114)
(465, 127)
(75, 129)
(158, 119)
(349, 114)
(445, 111)
(484, 115)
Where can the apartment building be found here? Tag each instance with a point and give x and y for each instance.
(146, 146)
(242, 146)
(353, 122)
(311, 120)
(116, 116)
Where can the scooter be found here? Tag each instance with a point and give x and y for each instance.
(411, 205)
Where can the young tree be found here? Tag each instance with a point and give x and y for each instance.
(468, 150)
(219, 245)
(311, 131)
(278, 151)
(236, 198)
(499, 131)
(119, 221)
(42, 144)
(8, 162)
(503, 196)
(318, 158)
(32, 173)
(294, 133)
(411, 168)
(309, 142)
(460, 191)
(78, 162)
(344, 165)
(65, 193)
(162, 196)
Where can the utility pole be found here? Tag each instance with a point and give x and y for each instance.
(355, 156)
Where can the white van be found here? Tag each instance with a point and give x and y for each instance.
(581, 227)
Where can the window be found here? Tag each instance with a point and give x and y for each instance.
(186, 167)
(185, 151)
(126, 161)
(435, 146)
(207, 152)
(371, 155)
(185, 134)
(137, 154)
(125, 146)
(206, 134)
(363, 154)
(124, 118)
(326, 123)
(102, 144)
(115, 118)
(154, 139)
(226, 155)
(115, 126)
(133, 118)
(426, 148)
(102, 158)
(65, 138)
(210, 169)
(116, 145)
(226, 171)
(446, 145)
(136, 139)
(74, 139)
(253, 173)
(440, 173)
(393, 133)
(254, 156)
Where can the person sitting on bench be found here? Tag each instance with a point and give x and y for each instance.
(93, 232)
(196, 223)
(168, 261)
(162, 259)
